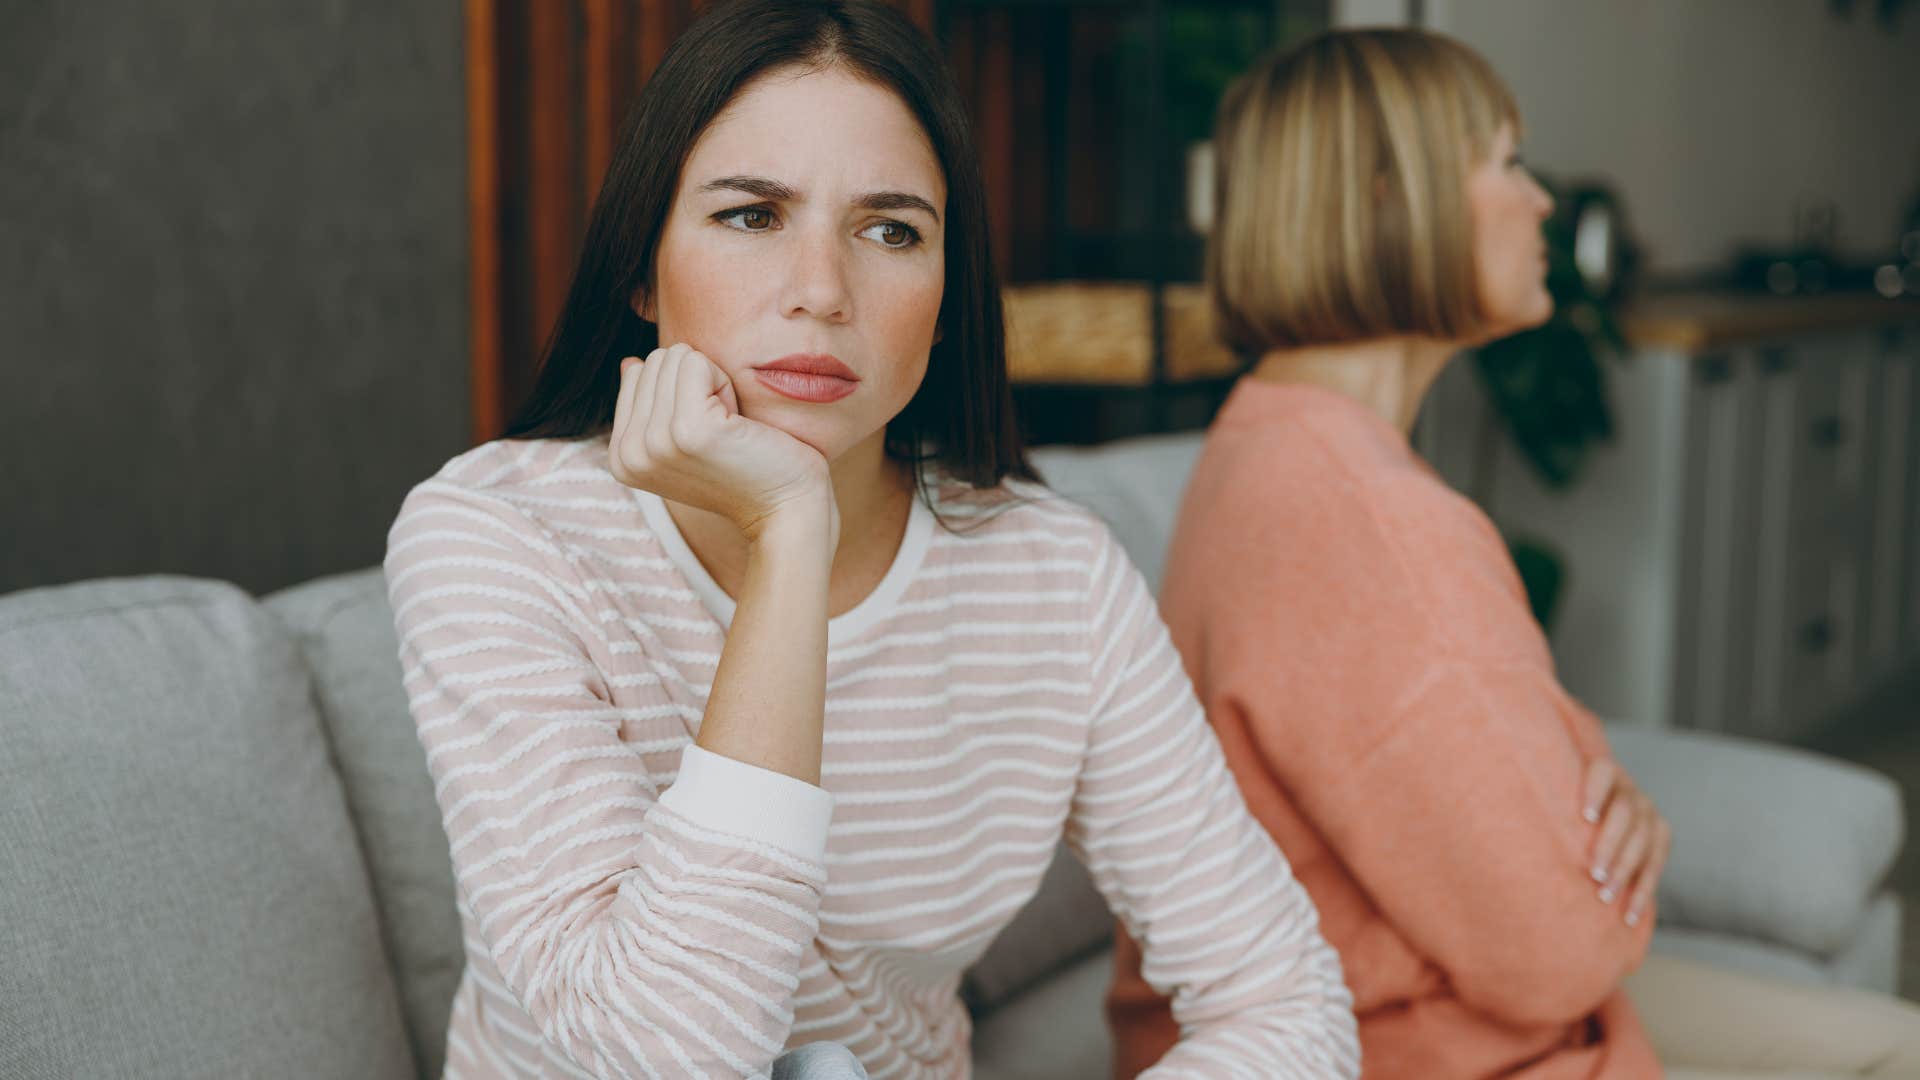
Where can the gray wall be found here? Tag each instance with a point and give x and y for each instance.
(233, 323)
(1714, 117)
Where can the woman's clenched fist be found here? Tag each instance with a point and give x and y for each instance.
(678, 432)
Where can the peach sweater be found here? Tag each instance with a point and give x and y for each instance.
(1363, 646)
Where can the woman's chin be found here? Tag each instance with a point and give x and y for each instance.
(1509, 324)
(826, 438)
(1532, 316)
(1540, 315)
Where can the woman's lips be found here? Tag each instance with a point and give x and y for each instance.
(812, 377)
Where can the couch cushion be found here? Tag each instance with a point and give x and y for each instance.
(182, 893)
(1134, 485)
(1806, 879)
(1056, 1029)
(346, 630)
(1872, 960)
(1739, 954)
(1065, 920)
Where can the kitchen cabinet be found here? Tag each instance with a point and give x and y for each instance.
(1775, 593)
(1745, 555)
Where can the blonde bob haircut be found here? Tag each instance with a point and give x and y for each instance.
(1341, 191)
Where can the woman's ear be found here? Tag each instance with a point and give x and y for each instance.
(642, 303)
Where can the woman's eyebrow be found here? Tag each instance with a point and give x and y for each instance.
(897, 200)
(762, 187)
(757, 186)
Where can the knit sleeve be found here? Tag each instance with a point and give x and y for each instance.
(1458, 812)
(1389, 673)
(647, 932)
(1227, 932)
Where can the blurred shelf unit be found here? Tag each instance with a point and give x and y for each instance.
(1087, 116)
(1746, 555)
(1101, 332)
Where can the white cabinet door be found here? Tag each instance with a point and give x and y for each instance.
(1910, 360)
(1830, 535)
(1713, 633)
(1884, 584)
(1775, 466)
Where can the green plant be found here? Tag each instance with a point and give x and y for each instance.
(1207, 48)
(1208, 44)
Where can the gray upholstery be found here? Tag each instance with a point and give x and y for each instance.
(1065, 921)
(182, 894)
(1827, 833)
(1739, 953)
(1054, 1032)
(1134, 485)
(346, 632)
(1872, 959)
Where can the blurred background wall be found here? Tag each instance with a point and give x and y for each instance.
(232, 282)
(1718, 120)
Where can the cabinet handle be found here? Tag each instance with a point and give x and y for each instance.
(1827, 432)
(1816, 635)
(1714, 369)
(1775, 360)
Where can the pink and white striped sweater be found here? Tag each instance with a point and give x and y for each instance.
(636, 906)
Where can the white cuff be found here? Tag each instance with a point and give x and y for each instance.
(716, 792)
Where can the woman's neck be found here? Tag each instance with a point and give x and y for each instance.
(875, 497)
(1390, 376)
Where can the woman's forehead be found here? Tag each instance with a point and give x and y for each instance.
(825, 124)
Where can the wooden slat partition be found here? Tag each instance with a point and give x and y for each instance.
(486, 378)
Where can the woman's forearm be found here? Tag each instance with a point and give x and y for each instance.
(768, 702)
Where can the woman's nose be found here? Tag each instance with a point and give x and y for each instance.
(1543, 199)
(817, 279)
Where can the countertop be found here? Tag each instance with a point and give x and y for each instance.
(1101, 333)
(1711, 319)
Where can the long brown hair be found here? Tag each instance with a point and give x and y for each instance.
(962, 417)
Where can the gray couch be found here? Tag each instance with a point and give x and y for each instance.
(220, 854)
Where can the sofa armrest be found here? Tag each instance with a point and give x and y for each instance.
(1770, 841)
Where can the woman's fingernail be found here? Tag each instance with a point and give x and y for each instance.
(1600, 874)
(1606, 895)
(1590, 814)
(1633, 917)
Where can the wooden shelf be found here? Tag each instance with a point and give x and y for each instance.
(1100, 333)
(1693, 322)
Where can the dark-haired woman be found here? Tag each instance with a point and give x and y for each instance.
(757, 679)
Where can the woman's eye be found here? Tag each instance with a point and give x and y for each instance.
(893, 234)
(748, 218)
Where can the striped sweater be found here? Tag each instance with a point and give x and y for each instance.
(635, 906)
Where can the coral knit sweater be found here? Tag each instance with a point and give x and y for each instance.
(1363, 646)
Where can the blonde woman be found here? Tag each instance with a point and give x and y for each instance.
(1360, 637)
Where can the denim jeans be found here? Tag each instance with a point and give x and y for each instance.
(818, 1061)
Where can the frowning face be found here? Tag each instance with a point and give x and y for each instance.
(804, 254)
